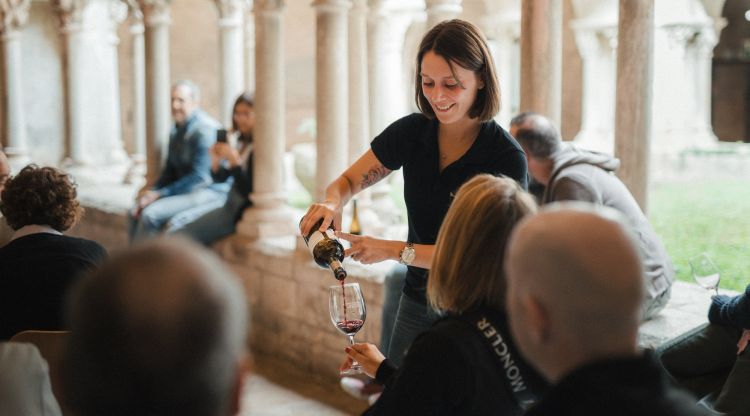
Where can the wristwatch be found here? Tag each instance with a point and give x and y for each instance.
(407, 254)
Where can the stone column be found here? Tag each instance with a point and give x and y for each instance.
(331, 91)
(249, 46)
(232, 77)
(439, 10)
(71, 19)
(359, 130)
(541, 57)
(633, 95)
(138, 58)
(13, 15)
(269, 214)
(385, 35)
(501, 23)
(595, 29)
(158, 96)
(702, 53)
(94, 133)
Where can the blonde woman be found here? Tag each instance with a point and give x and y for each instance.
(466, 363)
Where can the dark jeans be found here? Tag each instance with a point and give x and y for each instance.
(393, 286)
(413, 318)
(705, 362)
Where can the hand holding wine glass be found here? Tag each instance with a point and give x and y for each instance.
(705, 272)
(348, 313)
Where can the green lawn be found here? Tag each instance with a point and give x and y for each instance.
(711, 216)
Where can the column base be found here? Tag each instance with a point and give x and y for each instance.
(17, 158)
(262, 222)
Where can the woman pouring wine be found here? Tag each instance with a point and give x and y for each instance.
(451, 140)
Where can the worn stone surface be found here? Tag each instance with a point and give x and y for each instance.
(687, 309)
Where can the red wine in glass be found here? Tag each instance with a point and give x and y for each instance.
(348, 313)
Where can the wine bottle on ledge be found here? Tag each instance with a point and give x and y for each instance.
(326, 250)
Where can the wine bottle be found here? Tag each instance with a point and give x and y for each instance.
(354, 227)
(326, 249)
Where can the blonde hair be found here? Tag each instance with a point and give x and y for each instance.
(467, 268)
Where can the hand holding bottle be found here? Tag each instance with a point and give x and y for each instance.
(328, 211)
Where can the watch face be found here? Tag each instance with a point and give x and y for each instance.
(408, 255)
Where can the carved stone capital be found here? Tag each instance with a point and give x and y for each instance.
(70, 13)
(266, 6)
(230, 8)
(448, 6)
(155, 12)
(118, 11)
(331, 6)
(13, 14)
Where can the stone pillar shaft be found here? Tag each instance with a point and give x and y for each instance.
(138, 57)
(633, 95)
(16, 118)
(232, 77)
(13, 15)
(269, 127)
(359, 129)
(331, 92)
(269, 214)
(158, 95)
(541, 57)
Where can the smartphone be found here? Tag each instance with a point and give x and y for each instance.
(221, 135)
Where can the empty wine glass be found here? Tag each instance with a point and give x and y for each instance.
(705, 272)
(348, 313)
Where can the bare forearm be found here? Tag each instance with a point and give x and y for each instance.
(338, 193)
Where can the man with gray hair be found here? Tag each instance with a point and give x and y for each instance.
(574, 300)
(571, 174)
(185, 182)
(158, 330)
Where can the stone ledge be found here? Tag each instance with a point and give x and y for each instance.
(687, 309)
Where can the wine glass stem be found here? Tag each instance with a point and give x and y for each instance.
(351, 339)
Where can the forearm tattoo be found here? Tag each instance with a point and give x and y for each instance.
(372, 176)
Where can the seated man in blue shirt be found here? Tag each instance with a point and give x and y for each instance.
(185, 180)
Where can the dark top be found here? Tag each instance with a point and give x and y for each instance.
(188, 164)
(618, 387)
(411, 143)
(451, 370)
(242, 179)
(731, 311)
(36, 272)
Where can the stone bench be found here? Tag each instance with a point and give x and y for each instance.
(686, 310)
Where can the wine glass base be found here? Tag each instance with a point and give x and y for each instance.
(352, 371)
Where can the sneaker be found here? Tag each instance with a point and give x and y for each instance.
(361, 389)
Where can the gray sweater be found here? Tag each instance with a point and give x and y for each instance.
(580, 175)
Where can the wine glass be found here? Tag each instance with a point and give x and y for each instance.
(705, 272)
(348, 313)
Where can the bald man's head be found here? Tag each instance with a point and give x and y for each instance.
(159, 329)
(574, 286)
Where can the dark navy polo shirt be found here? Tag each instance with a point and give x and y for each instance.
(411, 143)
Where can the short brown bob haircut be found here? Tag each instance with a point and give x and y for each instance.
(467, 268)
(40, 196)
(460, 42)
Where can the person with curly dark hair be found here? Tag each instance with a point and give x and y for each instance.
(39, 264)
(5, 231)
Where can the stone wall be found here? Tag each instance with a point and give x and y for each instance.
(287, 292)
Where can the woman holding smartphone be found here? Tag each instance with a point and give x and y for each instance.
(231, 159)
(450, 141)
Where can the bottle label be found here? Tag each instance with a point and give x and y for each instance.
(317, 237)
